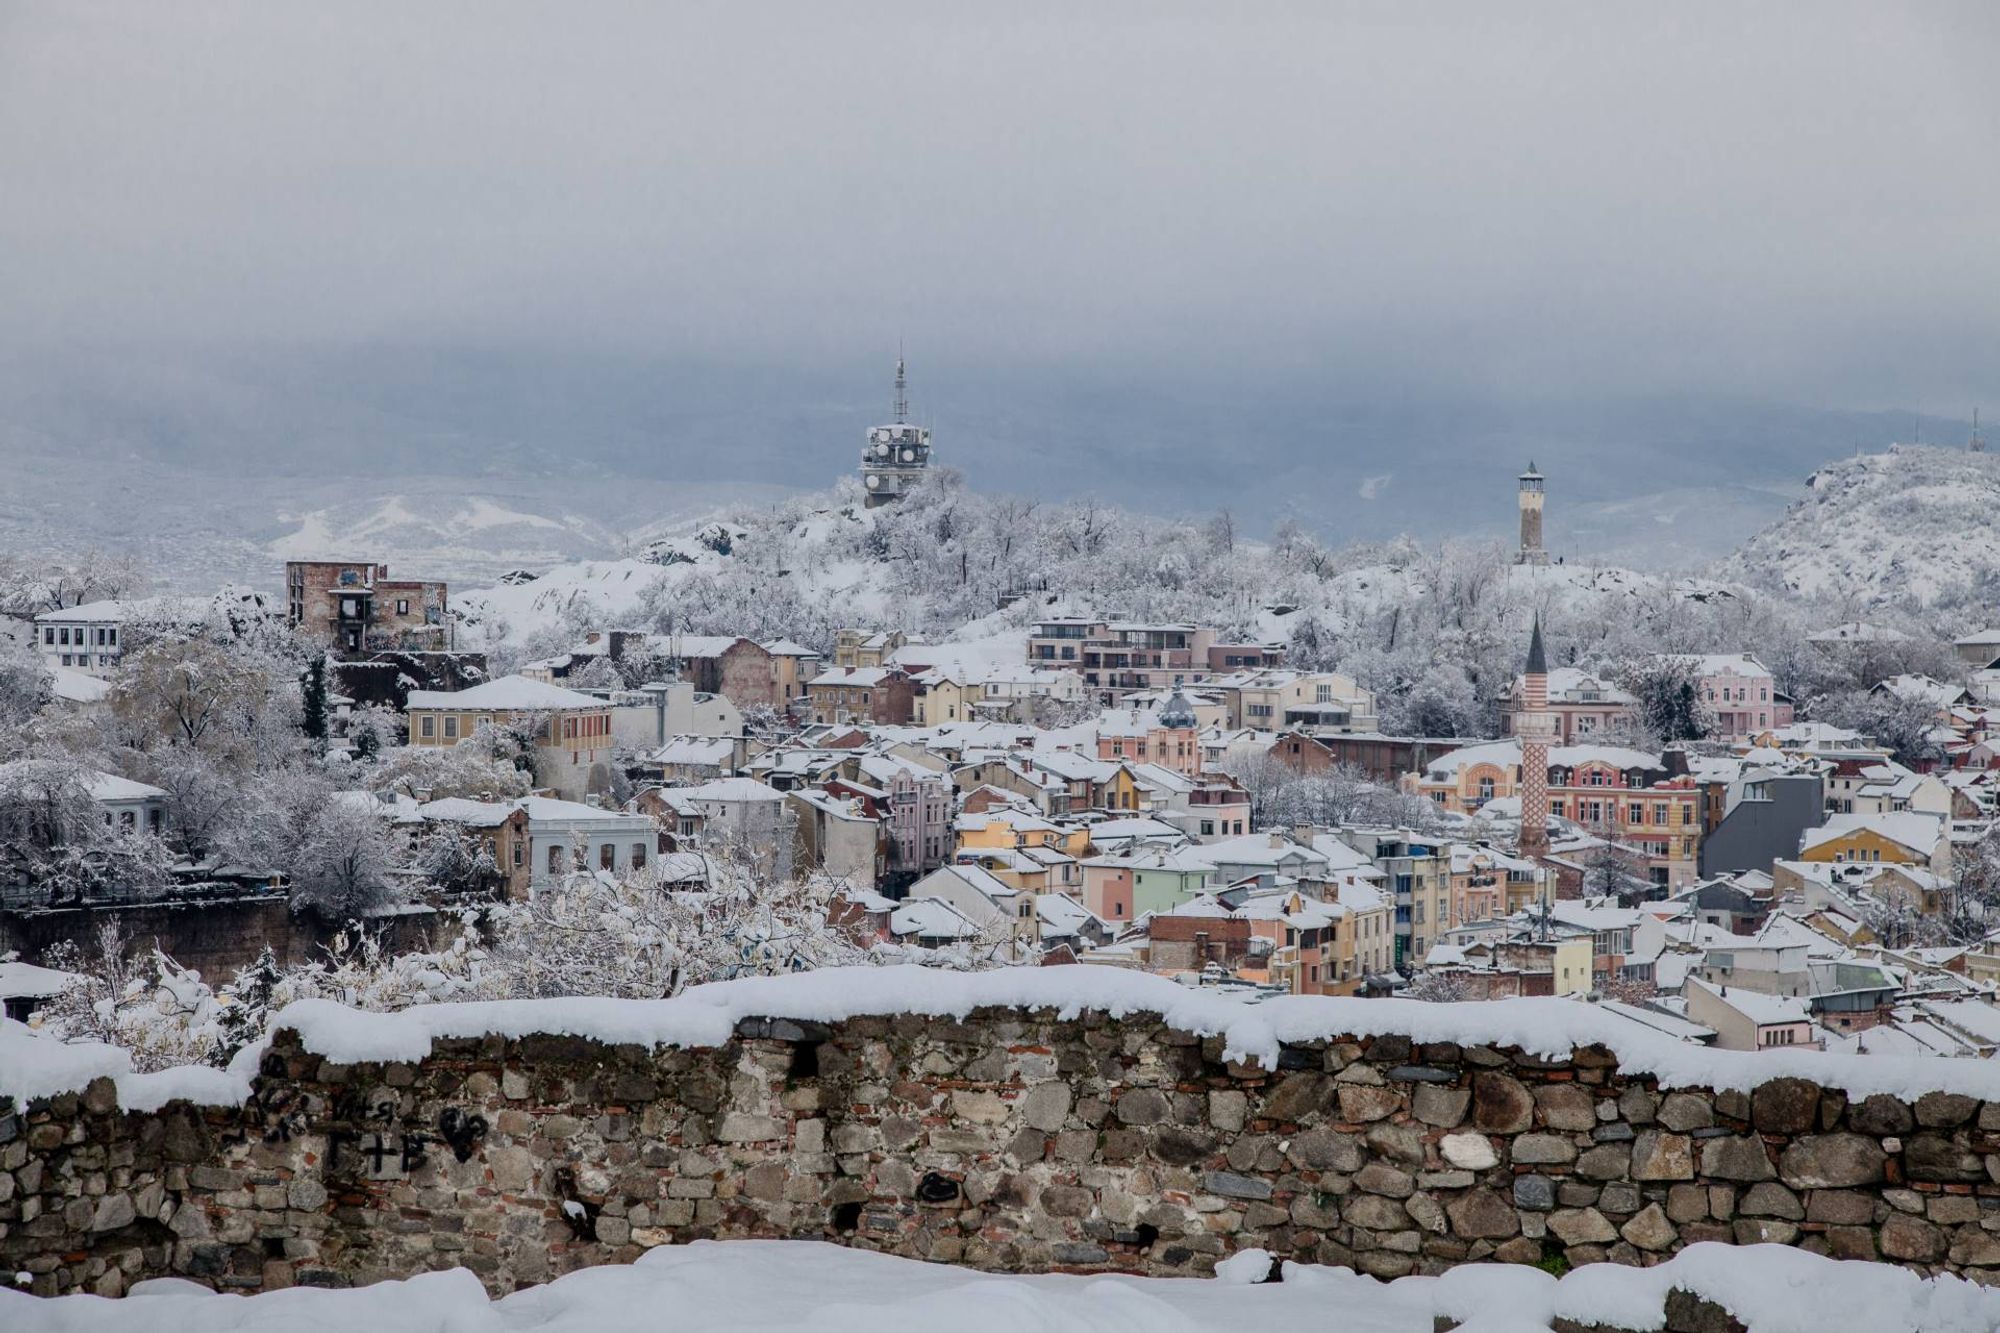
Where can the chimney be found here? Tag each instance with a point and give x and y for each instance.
(1277, 840)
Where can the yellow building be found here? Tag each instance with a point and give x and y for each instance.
(571, 731)
(942, 698)
(1903, 838)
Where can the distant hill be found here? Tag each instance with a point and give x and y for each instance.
(1914, 525)
(206, 466)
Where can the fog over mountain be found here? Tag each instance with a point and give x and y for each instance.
(271, 268)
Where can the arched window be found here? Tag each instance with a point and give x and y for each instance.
(558, 860)
(638, 855)
(607, 857)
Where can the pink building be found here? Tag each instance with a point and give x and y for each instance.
(1169, 737)
(1107, 888)
(1742, 694)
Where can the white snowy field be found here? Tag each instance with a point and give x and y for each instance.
(759, 1286)
(741, 1286)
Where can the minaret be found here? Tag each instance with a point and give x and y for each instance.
(896, 455)
(1536, 728)
(1532, 551)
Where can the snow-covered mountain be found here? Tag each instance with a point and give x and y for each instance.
(1910, 526)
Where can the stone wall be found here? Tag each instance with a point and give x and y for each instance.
(1010, 1140)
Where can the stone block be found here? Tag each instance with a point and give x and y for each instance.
(1736, 1157)
(1683, 1111)
(1473, 1152)
(1233, 1186)
(1650, 1229)
(1880, 1115)
(1440, 1106)
(1360, 1103)
(1659, 1155)
(1784, 1106)
(1831, 1161)
(1482, 1215)
(1542, 1150)
(1945, 1110)
(1501, 1103)
(1567, 1106)
(1582, 1226)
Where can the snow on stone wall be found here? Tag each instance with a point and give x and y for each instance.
(1064, 1118)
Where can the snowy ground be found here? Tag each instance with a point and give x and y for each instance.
(737, 1287)
(760, 1286)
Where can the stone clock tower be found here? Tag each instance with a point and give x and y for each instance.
(896, 455)
(1532, 551)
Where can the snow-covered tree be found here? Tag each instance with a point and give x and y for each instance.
(54, 840)
(597, 934)
(1670, 703)
(1438, 988)
(472, 769)
(159, 1012)
(456, 861)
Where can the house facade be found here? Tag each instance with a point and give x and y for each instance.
(355, 605)
(571, 733)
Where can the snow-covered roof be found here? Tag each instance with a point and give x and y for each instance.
(471, 814)
(547, 809)
(77, 687)
(1907, 828)
(1063, 915)
(866, 677)
(111, 787)
(1761, 1009)
(508, 694)
(1507, 754)
(732, 789)
(108, 610)
(695, 750)
(25, 981)
(932, 918)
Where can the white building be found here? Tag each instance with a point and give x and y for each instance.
(83, 638)
(559, 832)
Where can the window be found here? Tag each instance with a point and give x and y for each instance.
(427, 727)
(638, 856)
(48, 634)
(607, 857)
(558, 860)
(402, 606)
(451, 728)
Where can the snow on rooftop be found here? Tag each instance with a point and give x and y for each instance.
(111, 787)
(507, 694)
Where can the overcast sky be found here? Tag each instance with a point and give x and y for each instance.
(1798, 200)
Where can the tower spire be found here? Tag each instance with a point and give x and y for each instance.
(902, 389)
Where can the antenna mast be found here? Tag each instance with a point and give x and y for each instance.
(902, 389)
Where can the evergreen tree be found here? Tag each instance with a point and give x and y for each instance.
(313, 700)
(242, 1022)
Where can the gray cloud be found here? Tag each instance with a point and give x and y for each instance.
(1789, 199)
